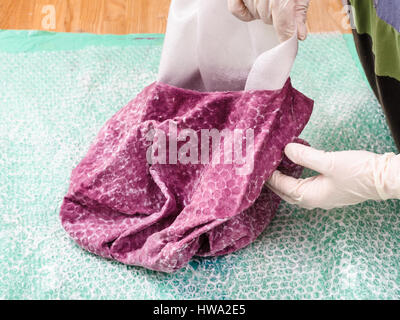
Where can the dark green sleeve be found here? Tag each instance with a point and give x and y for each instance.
(378, 46)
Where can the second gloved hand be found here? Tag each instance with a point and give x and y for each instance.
(285, 15)
(346, 178)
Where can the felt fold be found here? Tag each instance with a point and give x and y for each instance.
(159, 215)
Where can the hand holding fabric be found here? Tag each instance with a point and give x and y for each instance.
(346, 178)
(287, 16)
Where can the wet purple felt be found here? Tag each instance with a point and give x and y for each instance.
(160, 215)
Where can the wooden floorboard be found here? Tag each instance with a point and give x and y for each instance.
(130, 16)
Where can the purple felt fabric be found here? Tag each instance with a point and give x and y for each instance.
(159, 216)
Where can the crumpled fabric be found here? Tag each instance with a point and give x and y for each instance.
(159, 214)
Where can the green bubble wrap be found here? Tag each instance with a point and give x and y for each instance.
(57, 90)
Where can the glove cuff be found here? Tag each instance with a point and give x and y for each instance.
(387, 176)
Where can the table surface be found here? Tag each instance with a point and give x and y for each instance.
(132, 16)
(55, 96)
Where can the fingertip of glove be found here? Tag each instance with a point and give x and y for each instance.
(301, 31)
(302, 37)
(296, 152)
(290, 149)
(271, 180)
(239, 10)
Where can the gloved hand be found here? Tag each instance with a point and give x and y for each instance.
(347, 177)
(283, 14)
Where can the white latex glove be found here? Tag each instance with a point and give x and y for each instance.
(285, 15)
(347, 177)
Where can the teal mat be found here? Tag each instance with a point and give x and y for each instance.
(57, 90)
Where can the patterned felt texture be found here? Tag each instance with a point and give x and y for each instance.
(52, 105)
(161, 215)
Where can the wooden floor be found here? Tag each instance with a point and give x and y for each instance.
(129, 16)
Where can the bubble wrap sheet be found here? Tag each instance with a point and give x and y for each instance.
(53, 103)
